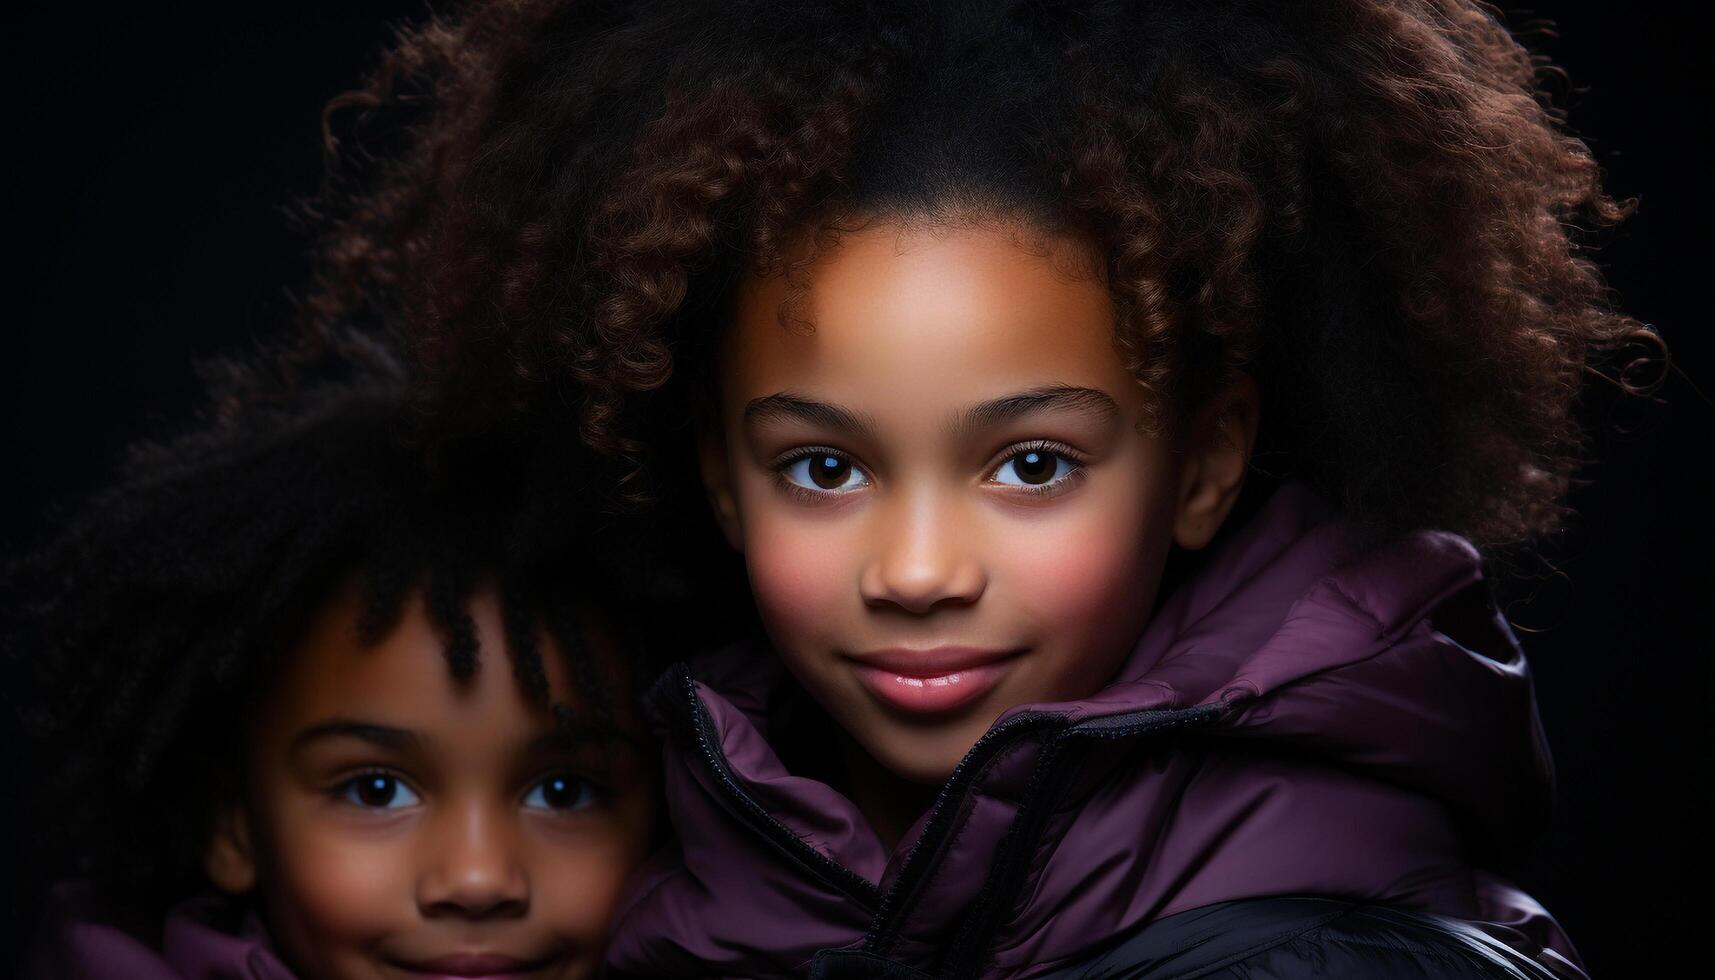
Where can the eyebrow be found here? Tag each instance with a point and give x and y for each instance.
(786, 406)
(1098, 405)
(382, 736)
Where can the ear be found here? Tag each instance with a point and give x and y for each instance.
(717, 480)
(230, 859)
(1217, 450)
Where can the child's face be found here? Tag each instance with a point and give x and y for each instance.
(400, 824)
(945, 501)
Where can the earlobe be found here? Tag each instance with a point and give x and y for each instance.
(230, 859)
(717, 480)
(1217, 453)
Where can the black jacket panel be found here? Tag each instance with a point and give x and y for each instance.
(1293, 938)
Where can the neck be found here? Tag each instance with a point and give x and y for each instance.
(888, 801)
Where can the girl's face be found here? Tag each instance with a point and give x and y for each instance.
(944, 499)
(401, 824)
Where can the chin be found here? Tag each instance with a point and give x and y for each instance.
(922, 756)
(928, 772)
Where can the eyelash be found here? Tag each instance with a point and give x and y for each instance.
(347, 788)
(1054, 488)
(785, 463)
(595, 792)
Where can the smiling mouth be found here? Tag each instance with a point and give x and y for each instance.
(932, 681)
(476, 966)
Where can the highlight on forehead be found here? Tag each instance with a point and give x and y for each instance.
(1070, 249)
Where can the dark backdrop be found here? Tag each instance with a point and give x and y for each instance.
(150, 154)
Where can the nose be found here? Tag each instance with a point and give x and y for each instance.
(922, 559)
(474, 870)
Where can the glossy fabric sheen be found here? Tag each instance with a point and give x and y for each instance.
(192, 946)
(1354, 750)
(1292, 938)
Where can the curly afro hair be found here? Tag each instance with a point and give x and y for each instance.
(139, 639)
(1368, 205)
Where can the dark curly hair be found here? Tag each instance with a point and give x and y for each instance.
(1368, 205)
(141, 636)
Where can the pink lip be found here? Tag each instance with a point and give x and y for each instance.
(473, 966)
(932, 681)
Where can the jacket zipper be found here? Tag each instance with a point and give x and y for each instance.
(744, 806)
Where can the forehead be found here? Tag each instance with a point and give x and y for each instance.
(405, 680)
(907, 316)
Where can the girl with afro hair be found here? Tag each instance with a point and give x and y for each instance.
(312, 692)
(1114, 405)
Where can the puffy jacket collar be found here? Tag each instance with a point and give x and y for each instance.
(1326, 731)
(202, 939)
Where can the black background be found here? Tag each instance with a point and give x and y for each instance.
(150, 154)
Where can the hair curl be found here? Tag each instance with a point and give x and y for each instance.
(1369, 205)
(139, 639)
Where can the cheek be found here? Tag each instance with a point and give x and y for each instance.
(1077, 577)
(803, 574)
(330, 894)
(1086, 576)
(575, 890)
(576, 875)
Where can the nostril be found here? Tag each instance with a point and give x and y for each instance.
(474, 887)
(921, 586)
(918, 604)
(477, 908)
(921, 565)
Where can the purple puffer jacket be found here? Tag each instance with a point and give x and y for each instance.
(1295, 720)
(195, 945)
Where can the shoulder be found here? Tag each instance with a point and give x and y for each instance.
(1282, 938)
(206, 937)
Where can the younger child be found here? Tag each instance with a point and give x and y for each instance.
(320, 698)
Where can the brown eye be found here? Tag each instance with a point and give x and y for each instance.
(378, 791)
(824, 471)
(1034, 468)
(563, 792)
(829, 472)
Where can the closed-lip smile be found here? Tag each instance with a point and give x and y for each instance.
(475, 965)
(932, 680)
(932, 662)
